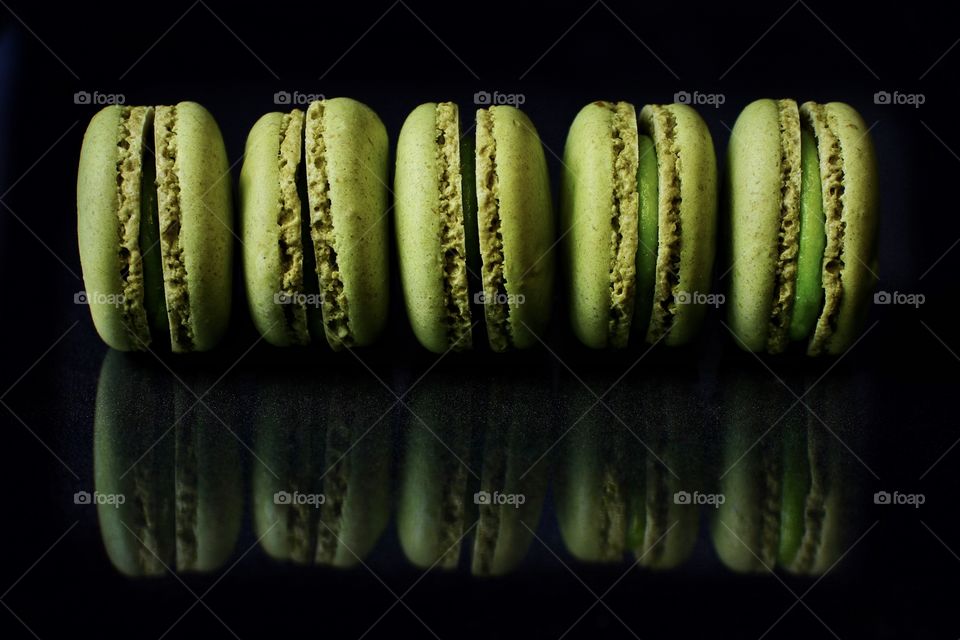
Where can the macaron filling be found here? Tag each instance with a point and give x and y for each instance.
(289, 223)
(150, 254)
(168, 198)
(813, 238)
(333, 297)
(135, 122)
(452, 229)
(796, 486)
(647, 244)
(495, 298)
(658, 122)
(788, 234)
(623, 221)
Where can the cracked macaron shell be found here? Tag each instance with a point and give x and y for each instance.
(523, 249)
(99, 229)
(859, 219)
(422, 212)
(696, 169)
(260, 231)
(588, 196)
(205, 235)
(355, 148)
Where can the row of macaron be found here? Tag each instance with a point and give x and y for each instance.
(477, 239)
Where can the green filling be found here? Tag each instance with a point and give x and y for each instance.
(813, 239)
(796, 486)
(648, 221)
(154, 300)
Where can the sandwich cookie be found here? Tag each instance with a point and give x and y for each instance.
(313, 220)
(155, 226)
(474, 227)
(802, 189)
(172, 499)
(638, 210)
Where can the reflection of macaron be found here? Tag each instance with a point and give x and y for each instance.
(155, 226)
(172, 495)
(788, 495)
(617, 492)
(802, 190)
(638, 207)
(474, 227)
(320, 477)
(477, 491)
(313, 197)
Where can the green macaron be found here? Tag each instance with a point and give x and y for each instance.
(474, 227)
(802, 189)
(313, 220)
(638, 219)
(155, 227)
(166, 473)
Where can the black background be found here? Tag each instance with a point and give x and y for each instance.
(900, 582)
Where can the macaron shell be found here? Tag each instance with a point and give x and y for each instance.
(697, 171)
(97, 224)
(859, 200)
(753, 189)
(206, 222)
(586, 197)
(259, 231)
(526, 224)
(356, 163)
(419, 244)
